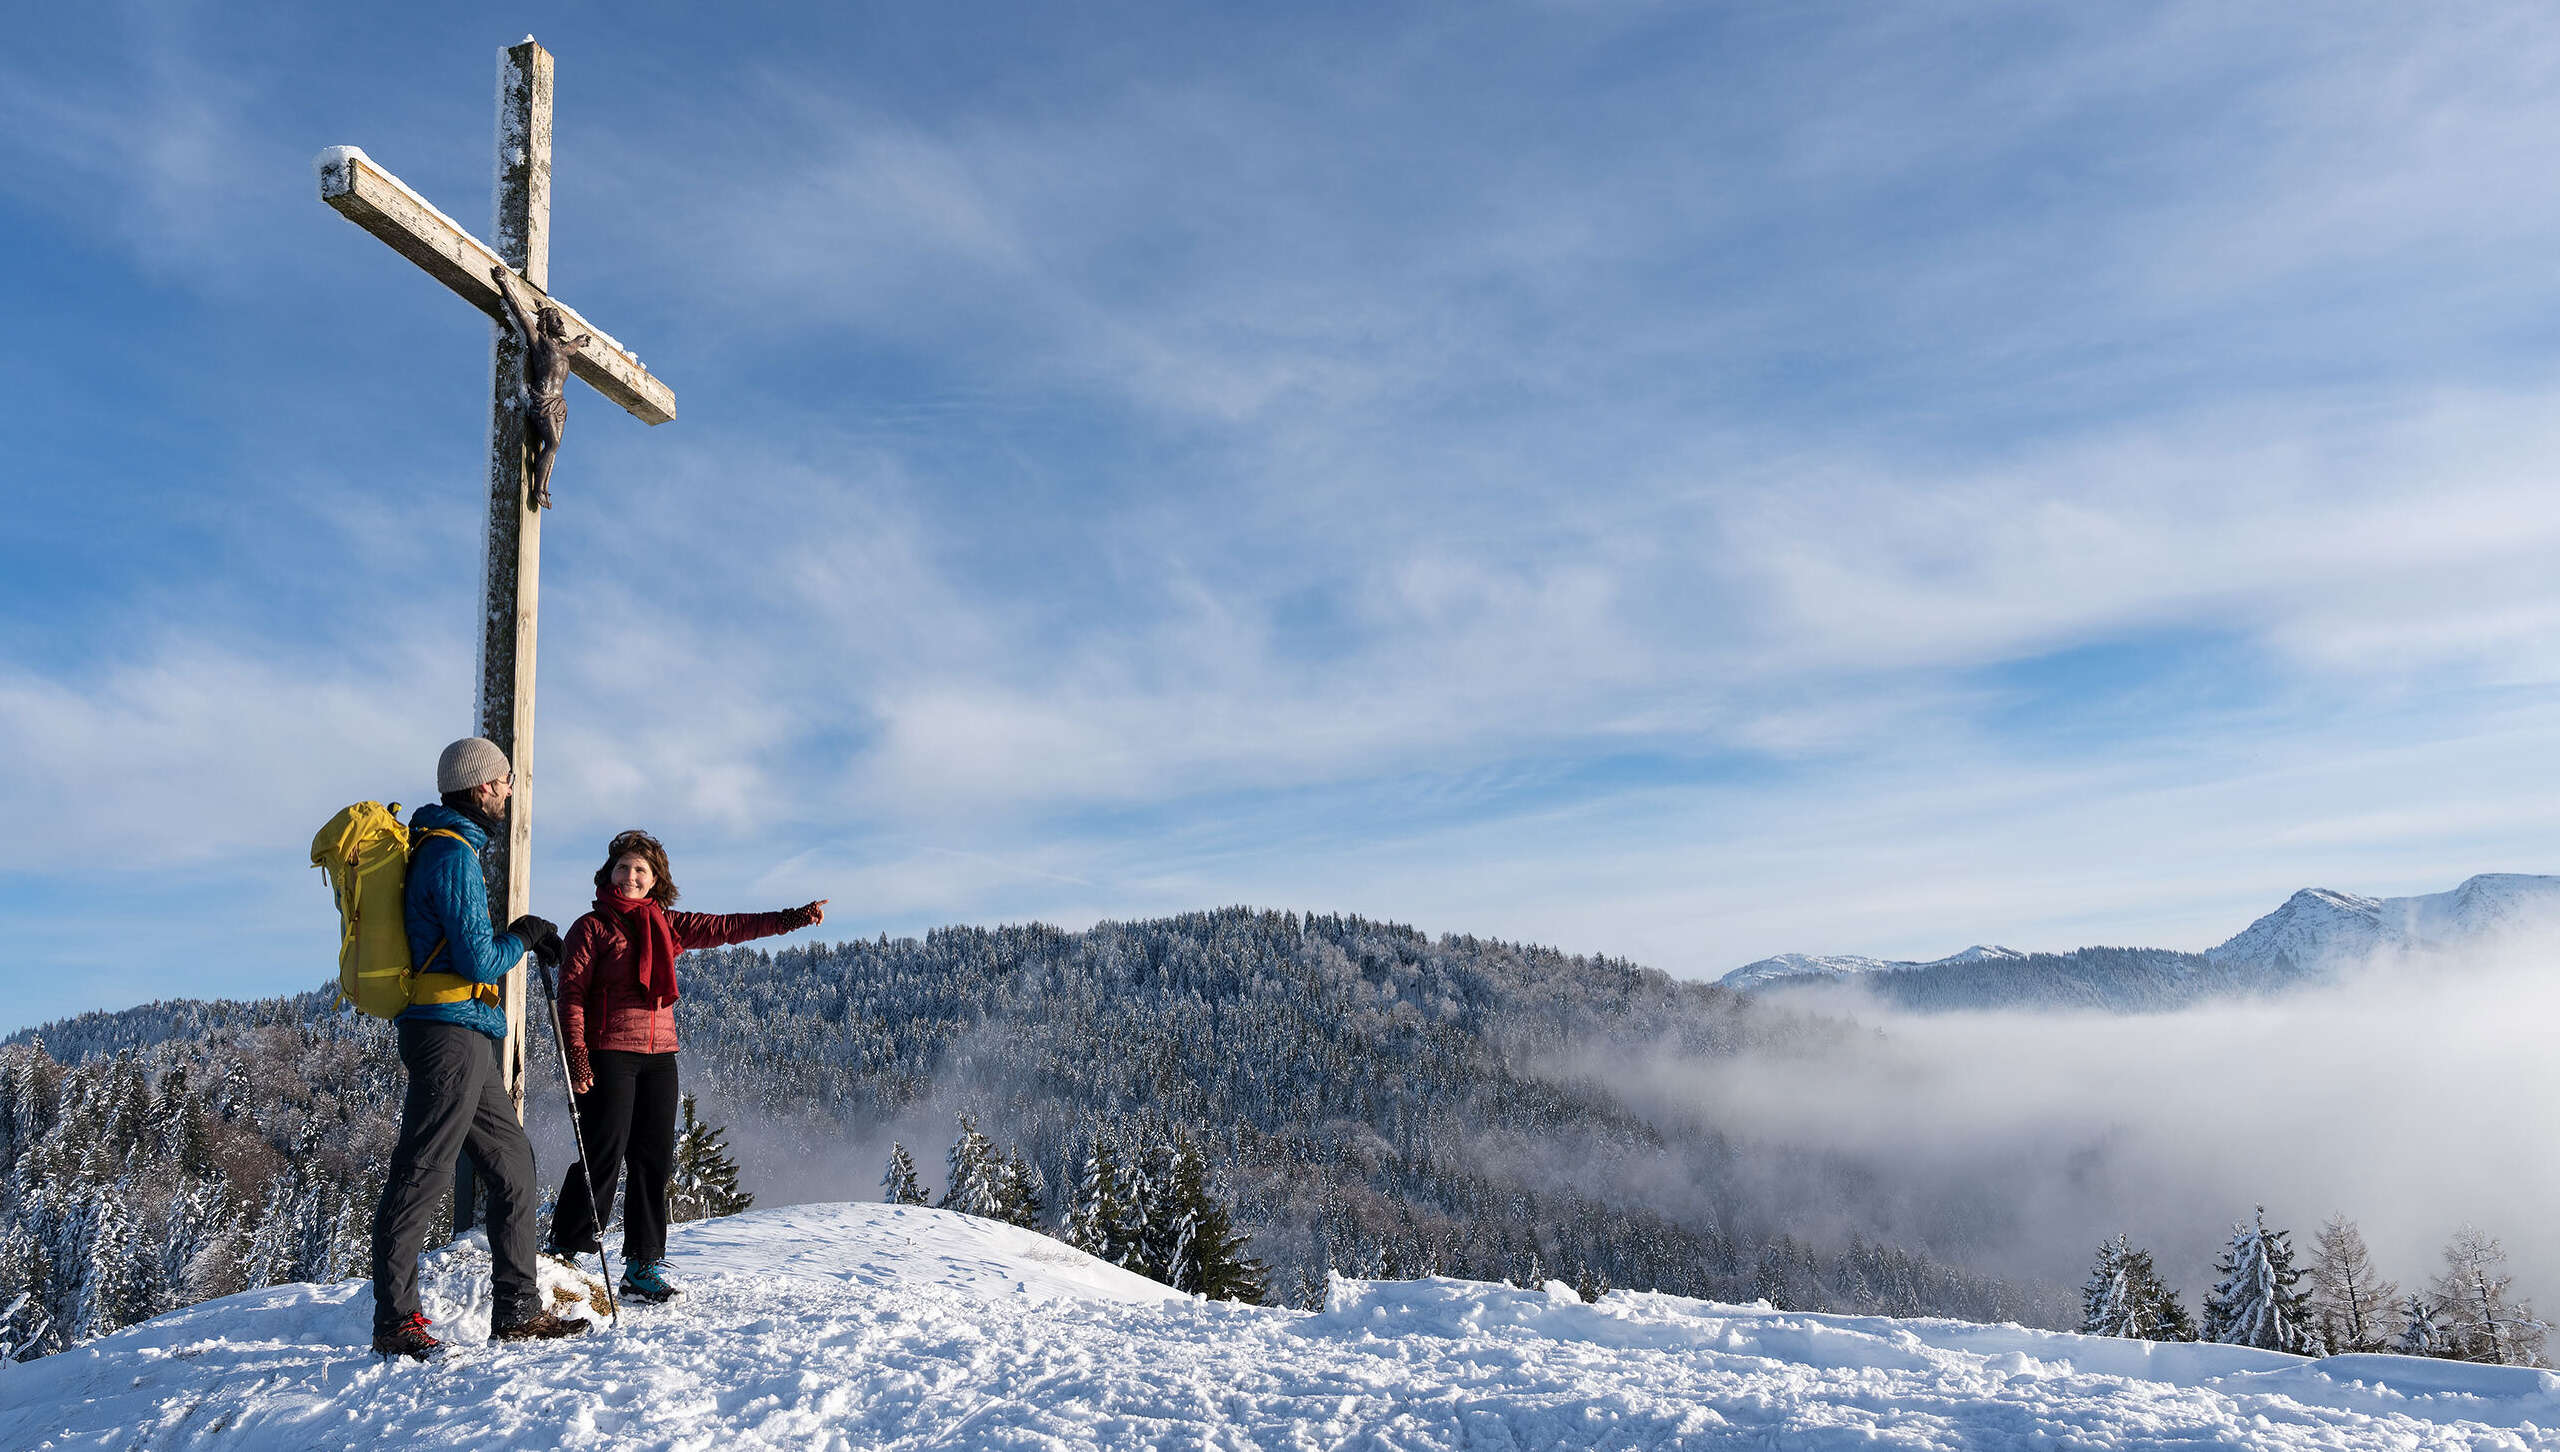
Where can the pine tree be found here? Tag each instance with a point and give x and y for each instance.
(705, 1184)
(198, 1225)
(2256, 1303)
(2106, 1302)
(348, 1245)
(2481, 1322)
(1207, 1256)
(1134, 1233)
(2419, 1333)
(106, 1292)
(23, 1325)
(2352, 1299)
(976, 1183)
(1018, 1193)
(177, 1131)
(2169, 1314)
(899, 1183)
(2126, 1297)
(1095, 1213)
(274, 1240)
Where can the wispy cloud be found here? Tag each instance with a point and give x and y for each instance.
(1689, 484)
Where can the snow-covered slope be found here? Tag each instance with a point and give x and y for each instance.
(869, 1326)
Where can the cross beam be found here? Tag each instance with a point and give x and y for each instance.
(384, 205)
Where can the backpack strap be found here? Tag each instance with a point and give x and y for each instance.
(448, 987)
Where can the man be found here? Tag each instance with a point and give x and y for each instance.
(449, 1037)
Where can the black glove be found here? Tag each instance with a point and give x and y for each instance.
(530, 931)
(548, 950)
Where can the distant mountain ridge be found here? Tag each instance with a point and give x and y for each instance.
(1846, 965)
(2310, 937)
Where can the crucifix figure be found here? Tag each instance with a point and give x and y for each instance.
(547, 346)
(524, 402)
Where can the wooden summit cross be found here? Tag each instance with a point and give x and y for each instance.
(382, 204)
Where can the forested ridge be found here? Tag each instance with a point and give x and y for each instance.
(1373, 1101)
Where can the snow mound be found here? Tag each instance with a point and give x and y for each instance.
(861, 1326)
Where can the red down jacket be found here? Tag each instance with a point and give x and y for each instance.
(600, 1002)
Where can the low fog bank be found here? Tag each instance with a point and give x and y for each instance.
(2413, 1095)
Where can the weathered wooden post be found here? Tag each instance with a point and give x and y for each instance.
(511, 565)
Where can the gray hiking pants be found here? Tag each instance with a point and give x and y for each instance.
(457, 1104)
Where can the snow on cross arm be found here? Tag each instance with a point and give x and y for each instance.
(859, 1326)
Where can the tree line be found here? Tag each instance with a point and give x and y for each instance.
(1145, 1201)
(2336, 1303)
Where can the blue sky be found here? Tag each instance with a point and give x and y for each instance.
(1683, 482)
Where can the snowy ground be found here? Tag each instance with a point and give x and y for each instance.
(868, 1326)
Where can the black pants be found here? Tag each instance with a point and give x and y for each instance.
(627, 1119)
(457, 1104)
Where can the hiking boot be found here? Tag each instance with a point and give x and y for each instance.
(647, 1281)
(542, 1325)
(409, 1338)
(559, 1249)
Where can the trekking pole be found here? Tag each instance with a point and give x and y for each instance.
(578, 1137)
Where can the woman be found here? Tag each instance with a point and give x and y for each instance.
(618, 1024)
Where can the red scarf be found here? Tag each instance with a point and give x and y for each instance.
(653, 943)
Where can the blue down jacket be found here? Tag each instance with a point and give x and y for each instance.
(448, 902)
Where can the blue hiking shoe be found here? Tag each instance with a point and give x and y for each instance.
(647, 1281)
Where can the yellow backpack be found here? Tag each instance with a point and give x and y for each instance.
(365, 852)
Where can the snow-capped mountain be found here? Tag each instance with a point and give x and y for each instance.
(2313, 935)
(845, 1326)
(2317, 929)
(1835, 967)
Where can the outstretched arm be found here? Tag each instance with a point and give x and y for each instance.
(718, 930)
(506, 282)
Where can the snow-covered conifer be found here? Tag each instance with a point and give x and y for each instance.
(275, 1239)
(705, 1183)
(1095, 1212)
(1020, 1193)
(106, 1290)
(1135, 1233)
(898, 1183)
(176, 1132)
(23, 1324)
(2105, 1302)
(1207, 1255)
(2256, 1302)
(977, 1173)
(197, 1226)
(2419, 1333)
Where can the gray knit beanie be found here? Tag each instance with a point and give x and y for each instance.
(469, 762)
